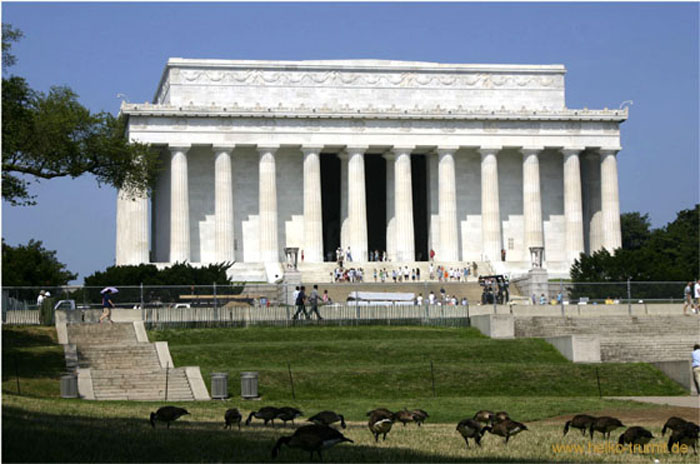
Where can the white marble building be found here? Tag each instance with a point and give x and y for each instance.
(464, 159)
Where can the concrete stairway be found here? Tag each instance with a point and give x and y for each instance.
(321, 272)
(623, 338)
(123, 368)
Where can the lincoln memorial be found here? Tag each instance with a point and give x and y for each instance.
(476, 162)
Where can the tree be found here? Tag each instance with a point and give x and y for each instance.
(636, 230)
(52, 135)
(669, 253)
(32, 265)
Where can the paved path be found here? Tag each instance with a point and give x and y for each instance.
(681, 401)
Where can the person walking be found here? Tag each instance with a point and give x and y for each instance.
(313, 299)
(107, 306)
(301, 297)
(696, 367)
(688, 298)
(697, 295)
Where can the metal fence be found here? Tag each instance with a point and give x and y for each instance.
(246, 303)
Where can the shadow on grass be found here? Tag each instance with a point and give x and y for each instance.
(39, 437)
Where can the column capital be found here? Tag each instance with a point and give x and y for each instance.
(608, 150)
(356, 149)
(223, 148)
(485, 151)
(311, 149)
(402, 149)
(446, 150)
(568, 151)
(180, 147)
(526, 151)
(264, 148)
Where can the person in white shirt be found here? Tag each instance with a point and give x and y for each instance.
(697, 295)
(696, 367)
(431, 298)
(40, 299)
(419, 299)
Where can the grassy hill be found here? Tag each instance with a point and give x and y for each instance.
(394, 363)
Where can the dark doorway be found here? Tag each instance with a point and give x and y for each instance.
(330, 201)
(419, 182)
(375, 188)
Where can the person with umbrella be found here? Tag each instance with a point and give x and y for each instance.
(107, 304)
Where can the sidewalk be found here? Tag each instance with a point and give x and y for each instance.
(681, 401)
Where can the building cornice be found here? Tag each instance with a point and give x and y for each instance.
(437, 113)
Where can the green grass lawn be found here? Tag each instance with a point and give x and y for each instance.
(347, 369)
(330, 363)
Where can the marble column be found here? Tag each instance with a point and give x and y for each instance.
(403, 205)
(448, 249)
(532, 201)
(223, 204)
(390, 210)
(179, 205)
(593, 215)
(357, 207)
(490, 211)
(132, 228)
(267, 195)
(313, 209)
(610, 200)
(344, 222)
(573, 204)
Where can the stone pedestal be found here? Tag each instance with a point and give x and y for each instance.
(538, 283)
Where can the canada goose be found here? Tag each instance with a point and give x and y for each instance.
(233, 416)
(380, 422)
(327, 418)
(419, 416)
(636, 436)
(674, 423)
(580, 421)
(484, 416)
(470, 428)
(404, 416)
(288, 414)
(605, 425)
(267, 413)
(167, 414)
(311, 438)
(383, 411)
(501, 416)
(506, 428)
(685, 435)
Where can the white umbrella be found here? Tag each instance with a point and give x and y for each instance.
(109, 290)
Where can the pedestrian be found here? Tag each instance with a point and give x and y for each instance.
(696, 367)
(687, 297)
(543, 299)
(295, 295)
(348, 255)
(503, 254)
(313, 299)
(697, 296)
(432, 255)
(418, 274)
(40, 299)
(419, 299)
(301, 297)
(107, 306)
(431, 298)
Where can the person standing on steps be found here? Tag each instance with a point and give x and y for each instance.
(107, 306)
(313, 299)
(687, 298)
(301, 297)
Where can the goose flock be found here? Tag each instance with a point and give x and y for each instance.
(320, 435)
(683, 432)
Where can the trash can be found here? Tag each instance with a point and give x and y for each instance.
(249, 385)
(219, 385)
(69, 386)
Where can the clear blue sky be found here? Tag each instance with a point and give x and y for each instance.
(644, 52)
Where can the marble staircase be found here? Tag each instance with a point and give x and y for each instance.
(120, 365)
